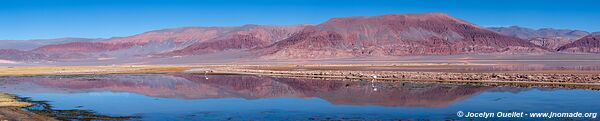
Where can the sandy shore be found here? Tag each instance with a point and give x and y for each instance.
(549, 78)
(489, 74)
(10, 109)
(79, 70)
(16, 114)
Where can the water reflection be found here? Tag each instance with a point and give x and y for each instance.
(187, 86)
(244, 97)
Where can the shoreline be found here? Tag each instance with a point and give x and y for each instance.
(591, 86)
(437, 73)
(15, 108)
(11, 109)
(550, 78)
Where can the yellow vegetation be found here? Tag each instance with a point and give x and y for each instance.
(8, 100)
(75, 70)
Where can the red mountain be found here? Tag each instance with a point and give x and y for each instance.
(245, 37)
(388, 35)
(395, 35)
(587, 44)
(18, 55)
(198, 40)
(178, 35)
(552, 43)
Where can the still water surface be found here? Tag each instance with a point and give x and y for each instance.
(243, 97)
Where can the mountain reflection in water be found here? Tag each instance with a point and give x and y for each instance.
(188, 86)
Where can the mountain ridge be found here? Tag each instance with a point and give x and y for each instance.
(587, 44)
(403, 34)
(359, 36)
(528, 33)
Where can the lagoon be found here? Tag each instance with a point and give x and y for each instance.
(181, 96)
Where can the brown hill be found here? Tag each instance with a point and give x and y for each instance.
(246, 37)
(552, 43)
(395, 35)
(18, 55)
(587, 44)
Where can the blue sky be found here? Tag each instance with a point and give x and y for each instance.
(42, 19)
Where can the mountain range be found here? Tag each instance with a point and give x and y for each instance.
(546, 37)
(377, 36)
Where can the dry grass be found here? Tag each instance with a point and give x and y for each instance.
(8, 100)
(76, 70)
(125, 69)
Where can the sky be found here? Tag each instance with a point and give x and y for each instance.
(45, 19)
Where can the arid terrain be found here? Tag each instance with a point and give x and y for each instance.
(417, 48)
(393, 35)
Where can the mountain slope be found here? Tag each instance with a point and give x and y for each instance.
(32, 44)
(199, 39)
(545, 37)
(246, 37)
(527, 33)
(587, 44)
(395, 35)
(19, 55)
(177, 35)
(552, 43)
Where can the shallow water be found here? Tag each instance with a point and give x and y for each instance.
(242, 97)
